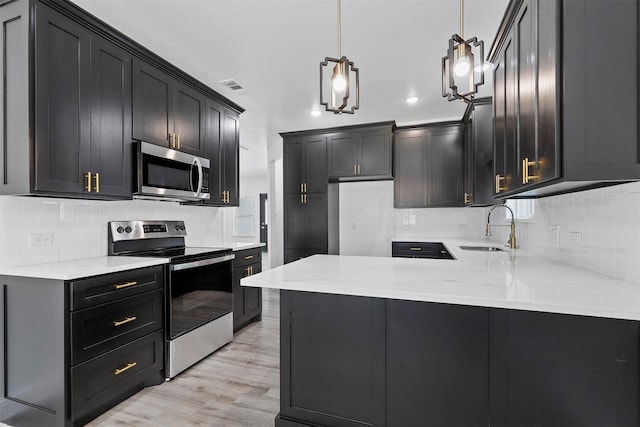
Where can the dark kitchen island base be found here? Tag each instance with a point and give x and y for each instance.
(358, 361)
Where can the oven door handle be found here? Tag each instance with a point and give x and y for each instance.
(201, 263)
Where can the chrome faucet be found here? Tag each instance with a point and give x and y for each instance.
(512, 236)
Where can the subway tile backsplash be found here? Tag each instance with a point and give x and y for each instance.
(79, 227)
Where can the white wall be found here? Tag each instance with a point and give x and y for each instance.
(79, 227)
(367, 218)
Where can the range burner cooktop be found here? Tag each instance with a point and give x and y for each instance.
(158, 239)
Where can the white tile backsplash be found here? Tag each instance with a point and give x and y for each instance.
(79, 227)
(599, 230)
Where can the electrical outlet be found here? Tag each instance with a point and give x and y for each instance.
(555, 234)
(37, 240)
(575, 238)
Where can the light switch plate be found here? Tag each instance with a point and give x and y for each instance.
(37, 240)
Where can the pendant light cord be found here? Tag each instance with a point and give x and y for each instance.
(339, 29)
(461, 19)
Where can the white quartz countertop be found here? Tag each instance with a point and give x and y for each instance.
(239, 246)
(78, 268)
(510, 279)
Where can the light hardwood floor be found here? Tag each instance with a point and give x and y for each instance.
(239, 385)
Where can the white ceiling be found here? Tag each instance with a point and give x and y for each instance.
(273, 49)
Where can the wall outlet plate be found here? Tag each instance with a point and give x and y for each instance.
(575, 238)
(555, 234)
(38, 240)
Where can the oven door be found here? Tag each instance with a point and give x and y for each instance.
(162, 172)
(199, 292)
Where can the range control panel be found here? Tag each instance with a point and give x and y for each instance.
(136, 230)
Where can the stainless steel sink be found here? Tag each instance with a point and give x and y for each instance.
(482, 248)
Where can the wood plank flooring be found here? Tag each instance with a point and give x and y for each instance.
(239, 385)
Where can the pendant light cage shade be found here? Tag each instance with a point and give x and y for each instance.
(339, 79)
(462, 68)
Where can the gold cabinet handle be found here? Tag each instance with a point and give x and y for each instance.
(355, 169)
(525, 170)
(249, 270)
(125, 368)
(88, 177)
(359, 169)
(178, 141)
(97, 187)
(302, 187)
(171, 140)
(305, 199)
(498, 180)
(125, 285)
(248, 257)
(301, 198)
(305, 187)
(415, 249)
(124, 321)
(467, 198)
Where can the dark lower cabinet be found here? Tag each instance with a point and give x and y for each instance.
(437, 364)
(333, 360)
(563, 370)
(75, 349)
(247, 302)
(348, 360)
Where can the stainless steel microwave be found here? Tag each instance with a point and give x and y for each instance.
(164, 173)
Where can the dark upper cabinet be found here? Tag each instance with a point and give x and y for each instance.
(222, 146)
(167, 112)
(111, 117)
(305, 164)
(360, 154)
(230, 159)
(83, 111)
(76, 92)
(429, 166)
(557, 127)
(63, 100)
(478, 154)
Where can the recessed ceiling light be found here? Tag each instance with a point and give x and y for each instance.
(316, 113)
(412, 100)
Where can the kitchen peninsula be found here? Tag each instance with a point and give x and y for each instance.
(499, 338)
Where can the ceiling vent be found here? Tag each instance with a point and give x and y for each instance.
(231, 84)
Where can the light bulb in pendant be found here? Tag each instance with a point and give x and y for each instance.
(339, 82)
(462, 66)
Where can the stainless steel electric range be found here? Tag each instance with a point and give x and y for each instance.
(198, 290)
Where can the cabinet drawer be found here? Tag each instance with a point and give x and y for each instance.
(104, 381)
(100, 289)
(248, 256)
(420, 250)
(102, 328)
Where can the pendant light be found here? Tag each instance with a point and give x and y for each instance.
(463, 67)
(344, 79)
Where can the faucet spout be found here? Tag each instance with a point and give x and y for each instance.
(512, 236)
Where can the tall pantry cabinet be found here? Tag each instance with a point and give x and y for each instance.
(306, 196)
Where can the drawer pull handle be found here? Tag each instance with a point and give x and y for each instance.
(125, 285)
(126, 368)
(125, 321)
(248, 257)
(415, 249)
